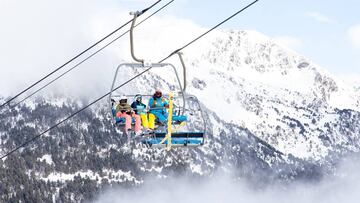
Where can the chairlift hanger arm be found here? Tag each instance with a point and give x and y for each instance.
(184, 68)
(136, 14)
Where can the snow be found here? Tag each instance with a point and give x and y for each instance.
(47, 158)
(110, 175)
(345, 98)
(84, 126)
(250, 81)
(30, 104)
(196, 168)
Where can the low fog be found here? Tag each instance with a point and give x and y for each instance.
(343, 187)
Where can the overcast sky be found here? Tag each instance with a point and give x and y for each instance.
(37, 36)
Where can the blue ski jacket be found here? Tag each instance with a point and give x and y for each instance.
(157, 105)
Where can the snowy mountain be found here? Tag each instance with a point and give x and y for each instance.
(272, 116)
(280, 96)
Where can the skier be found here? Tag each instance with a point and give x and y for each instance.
(157, 106)
(140, 109)
(124, 110)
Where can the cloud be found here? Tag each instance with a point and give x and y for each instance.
(37, 37)
(288, 41)
(343, 187)
(354, 36)
(320, 17)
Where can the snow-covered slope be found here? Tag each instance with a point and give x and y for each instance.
(280, 96)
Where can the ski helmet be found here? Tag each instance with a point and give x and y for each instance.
(123, 99)
(158, 93)
(138, 98)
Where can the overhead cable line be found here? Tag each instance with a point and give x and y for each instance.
(77, 56)
(87, 58)
(213, 28)
(131, 79)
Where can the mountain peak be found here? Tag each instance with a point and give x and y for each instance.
(265, 87)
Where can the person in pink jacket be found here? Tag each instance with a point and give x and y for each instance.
(123, 110)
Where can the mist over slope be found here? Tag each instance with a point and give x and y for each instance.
(225, 188)
(273, 117)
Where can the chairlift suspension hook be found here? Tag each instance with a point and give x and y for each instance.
(135, 14)
(184, 69)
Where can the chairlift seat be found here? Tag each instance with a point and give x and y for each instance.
(178, 139)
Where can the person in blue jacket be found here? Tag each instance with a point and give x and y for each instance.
(140, 109)
(158, 110)
(157, 105)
